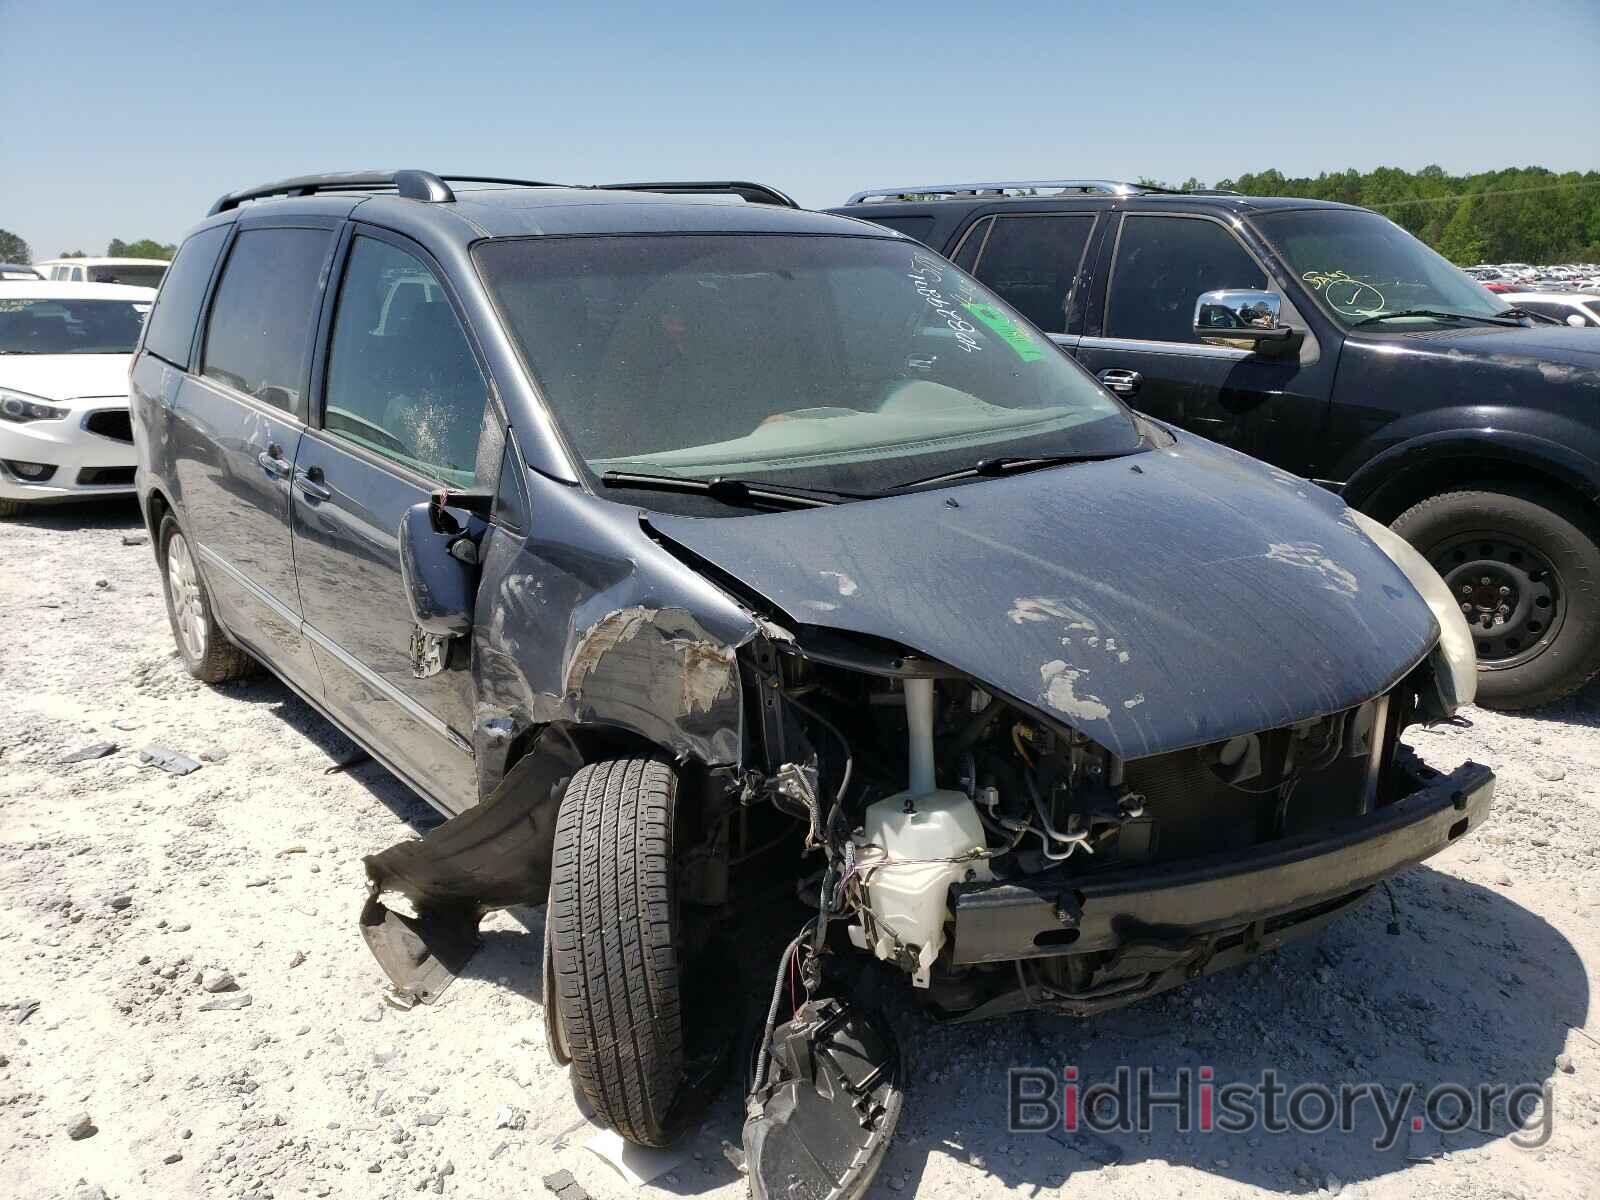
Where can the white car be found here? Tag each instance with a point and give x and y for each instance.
(65, 430)
(1576, 309)
(136, 272)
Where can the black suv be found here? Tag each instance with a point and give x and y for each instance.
(1381, 371)
(662, 541)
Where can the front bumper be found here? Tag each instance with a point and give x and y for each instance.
(84, 462)
(1200, 907)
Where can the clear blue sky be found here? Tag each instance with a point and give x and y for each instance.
(128, 119)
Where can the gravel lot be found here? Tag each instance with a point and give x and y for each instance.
(121, 886)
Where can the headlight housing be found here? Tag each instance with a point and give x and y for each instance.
(21, 407)
(1455, 637)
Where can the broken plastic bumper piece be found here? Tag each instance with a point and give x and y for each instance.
(819, 1127)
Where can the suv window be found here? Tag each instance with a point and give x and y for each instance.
(912, 226)
(260, 329)
(1031, 261)
(172, 323)
(402, 380)
(1162, 266)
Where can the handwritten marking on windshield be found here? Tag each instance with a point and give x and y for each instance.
(928, 275)
(1346, 294)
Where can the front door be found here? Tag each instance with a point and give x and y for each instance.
(1146, 351)
(402, 414)
(237, 424)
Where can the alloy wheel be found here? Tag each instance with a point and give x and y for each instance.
(183, 586)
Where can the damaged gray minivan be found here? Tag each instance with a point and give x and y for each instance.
(686, 548)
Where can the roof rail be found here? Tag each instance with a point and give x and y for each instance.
(753, 193)
(1106, 187)
(411, 184)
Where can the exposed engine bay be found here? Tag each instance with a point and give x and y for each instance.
(1002, 860)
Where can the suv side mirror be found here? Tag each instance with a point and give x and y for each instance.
(1235, 315)
(439, 565)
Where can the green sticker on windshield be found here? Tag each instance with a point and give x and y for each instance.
(1018, 338)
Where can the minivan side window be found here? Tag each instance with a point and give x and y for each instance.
(402, 379)
(1032, 262)
(171, 329)
(259, 335)
(1162, 266)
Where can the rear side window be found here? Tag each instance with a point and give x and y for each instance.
(261, 320)
(1032, 262)
(402, 380)
(171, 331)
(1162, 266)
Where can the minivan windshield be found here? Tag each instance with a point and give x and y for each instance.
(848, 363)
(70, 326)
(1362, 266)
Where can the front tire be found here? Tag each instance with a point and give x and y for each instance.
(1524, 563)
(11, 508)
(207, 653)
(614, 946)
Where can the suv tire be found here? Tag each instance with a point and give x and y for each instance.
(1535, 553)
(614, 946)
(207, 653)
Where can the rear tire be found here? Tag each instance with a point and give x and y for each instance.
(207, 653)
(1534, 553)
(10, 508)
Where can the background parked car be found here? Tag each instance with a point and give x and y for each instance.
(1391, 377)
(18, 271)
(64, 424)
(137, 272)
(1577, 309)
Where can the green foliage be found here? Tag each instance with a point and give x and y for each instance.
(1521, 214)
(143, 248)
(72, 254)
(13, 249)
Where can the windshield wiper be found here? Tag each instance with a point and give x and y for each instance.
(1520, 313)
(734, 491)
(1445, 314)
(1006, 465)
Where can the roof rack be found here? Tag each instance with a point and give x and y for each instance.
(1101, 187)
(753, 193)
(413, 185)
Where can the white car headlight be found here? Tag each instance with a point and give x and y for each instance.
(1455, 638)
(20, 407)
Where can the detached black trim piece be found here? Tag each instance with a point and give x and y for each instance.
(999, 922)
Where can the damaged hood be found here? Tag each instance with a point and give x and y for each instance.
(1154, 602)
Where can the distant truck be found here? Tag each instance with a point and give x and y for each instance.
(1383, 373)
(137, 272)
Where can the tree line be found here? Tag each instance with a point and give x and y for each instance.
(1520, 214)
(14, 250)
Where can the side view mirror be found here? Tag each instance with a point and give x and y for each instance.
(1234, 315)
(1576, 321)
(439, 565)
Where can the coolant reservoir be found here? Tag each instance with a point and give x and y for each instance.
(905, 894)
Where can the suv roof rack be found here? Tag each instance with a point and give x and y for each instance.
(1102, 187)
(412, 184)
(753, 193)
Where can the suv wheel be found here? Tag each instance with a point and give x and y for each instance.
(1524, 564)
(206, 651)
(615, 949)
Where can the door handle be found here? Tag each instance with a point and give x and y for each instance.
(273, 462)
(1122, 382)
(309, 481)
